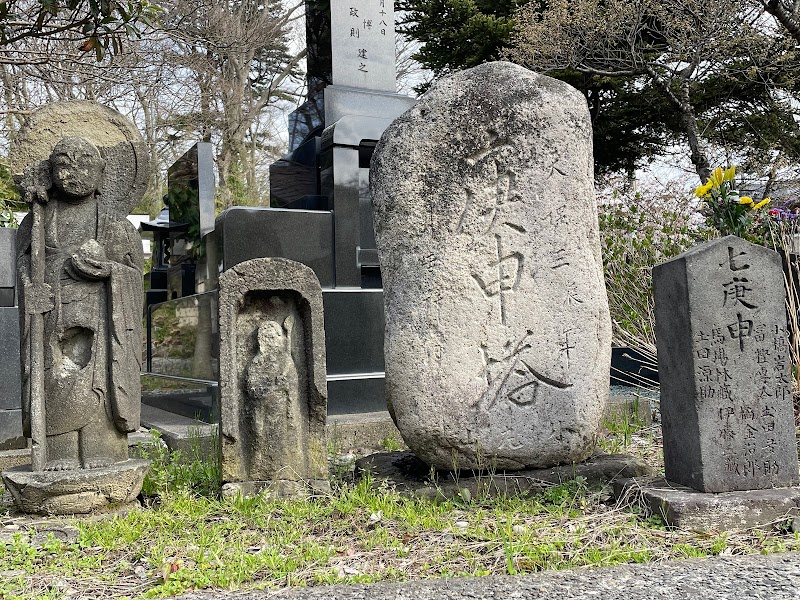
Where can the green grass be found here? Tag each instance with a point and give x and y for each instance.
(191, 538)
(391, 443)
(621, 427)
(626, 432)
(179, 471)
(361, 533)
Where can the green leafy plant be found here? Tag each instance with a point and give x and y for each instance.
(7, 215)
(639, 231)
(727, 211)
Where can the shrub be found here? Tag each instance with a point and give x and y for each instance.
(639, 231)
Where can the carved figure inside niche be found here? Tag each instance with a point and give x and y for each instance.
(82, 303)
(273, 396)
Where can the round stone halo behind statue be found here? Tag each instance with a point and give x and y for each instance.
(119, 142)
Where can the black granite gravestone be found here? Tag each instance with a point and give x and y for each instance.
(7, 266)
(10, 406)
(321, 214)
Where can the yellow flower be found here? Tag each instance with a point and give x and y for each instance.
(702, 190)
(745, 200)
(764, 202)
(730, 173)
(717, 176)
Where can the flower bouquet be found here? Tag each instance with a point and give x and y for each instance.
(725, 210)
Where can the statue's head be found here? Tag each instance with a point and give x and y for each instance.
(76, 167)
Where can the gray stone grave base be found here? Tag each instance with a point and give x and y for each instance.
(278, 488)
(410, 475)
(684, 507)
(181, 433)
(75, 492)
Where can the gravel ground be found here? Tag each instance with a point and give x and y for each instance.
(769, 577)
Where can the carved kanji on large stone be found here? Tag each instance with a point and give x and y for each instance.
(498, 335)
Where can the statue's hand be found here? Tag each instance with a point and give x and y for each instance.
(35, 193)
(38, 298)
(90, 261)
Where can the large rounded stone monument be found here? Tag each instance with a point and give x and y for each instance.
(498, 336)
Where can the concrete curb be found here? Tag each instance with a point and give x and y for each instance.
(775, 577)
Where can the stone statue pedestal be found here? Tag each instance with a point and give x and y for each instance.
(78, 491)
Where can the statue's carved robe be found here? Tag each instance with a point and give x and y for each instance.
(93, 336)
(273, 413)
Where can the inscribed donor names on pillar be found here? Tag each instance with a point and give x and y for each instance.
(362, 44)
(723, 356)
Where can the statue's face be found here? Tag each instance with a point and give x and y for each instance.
(76, 167)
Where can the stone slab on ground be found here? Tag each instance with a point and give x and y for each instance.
(77, 491)
(775, 577)
(14, 458)
(684, 507)
(348, 432)
(409, 474)
(179, 432)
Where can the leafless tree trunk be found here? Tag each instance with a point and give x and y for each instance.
(245, 71)
(674, 46)
(214, 71)
(786, 13)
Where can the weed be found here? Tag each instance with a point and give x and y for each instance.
(621, 426)
(391, 444)
(178, 470)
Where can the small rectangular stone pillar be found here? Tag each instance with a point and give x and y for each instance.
(724, 367)
(273, 393)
